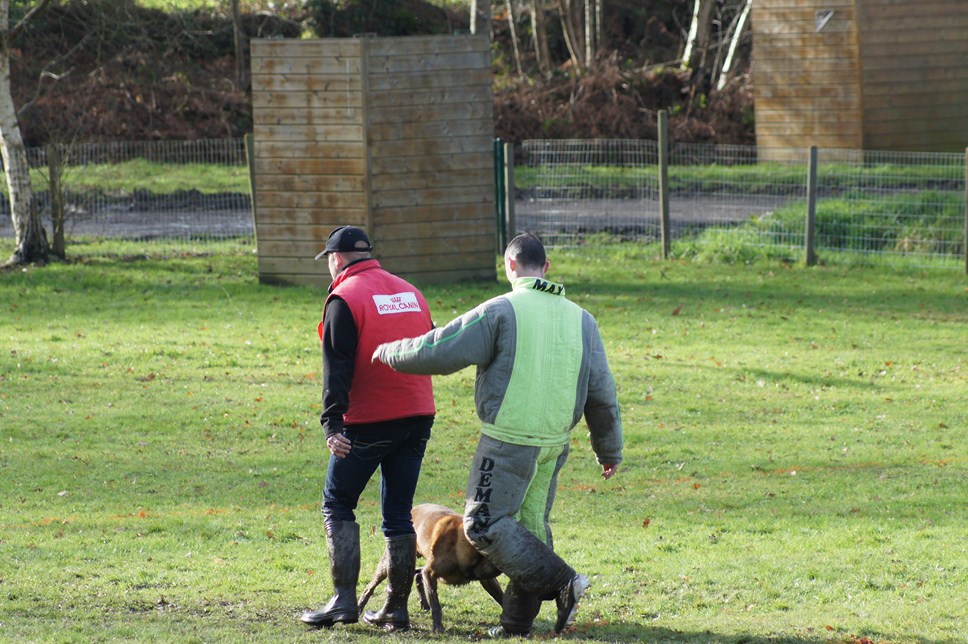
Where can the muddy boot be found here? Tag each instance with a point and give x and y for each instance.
(343, 543)
(402, 557)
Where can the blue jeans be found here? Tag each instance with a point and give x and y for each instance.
(397, 448)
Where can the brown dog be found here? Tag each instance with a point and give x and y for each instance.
(448, 556)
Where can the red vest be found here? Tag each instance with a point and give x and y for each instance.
(385, 308)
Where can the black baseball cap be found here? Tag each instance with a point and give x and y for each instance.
(346, 239)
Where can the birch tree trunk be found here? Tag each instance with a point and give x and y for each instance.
(514, 37)
(697, 42)
(31, 238)
(737, 35)
(570, 32)
(538, 27)
(481, 17)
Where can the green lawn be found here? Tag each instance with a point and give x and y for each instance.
(796, 456)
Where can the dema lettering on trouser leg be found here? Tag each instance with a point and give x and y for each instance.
(500, 476)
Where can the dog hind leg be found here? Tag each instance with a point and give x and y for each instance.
(382, 570)
(418, 582)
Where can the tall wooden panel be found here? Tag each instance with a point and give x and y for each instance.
(806, 76)
(861, 74)
(390, 134)
(914, 74)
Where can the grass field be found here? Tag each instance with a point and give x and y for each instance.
(796, 457)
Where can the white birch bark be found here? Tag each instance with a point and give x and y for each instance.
(733, 44)
(31, 239)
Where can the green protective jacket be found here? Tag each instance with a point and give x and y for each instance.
(541, 367)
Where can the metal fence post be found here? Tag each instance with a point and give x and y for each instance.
(664, 183)
(810, 232)
(499, 195)
(965, 240)
(249, 143)
(510, 226)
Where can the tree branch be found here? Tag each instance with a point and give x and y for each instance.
(17, 28)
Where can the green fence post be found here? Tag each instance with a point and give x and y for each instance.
(250, 161)
(666, 234)
(510, 225)
(810, 232)
(965, 240)
(499, 194)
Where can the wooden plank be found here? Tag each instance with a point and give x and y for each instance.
(313, 183)
(309, 166)
(940, 93)
(803, 89)
(404, 113)
(307, 249)
(283, 48)
(954, 113)
(810, 42)
(435, 148)
(310, 150)
(449, 84)
(323, 65)
(942, 29)
(277, 133)
(351, 102)
(445, 95)
(328, 219)
(941, 54)
(302, 116)
(324, 85)
(941, 60)
(906, 11)
(397, 198)
(473, 160)
(906, 76)
(818, 68)
(449, 63)
(481, 211)
(431, 179)
(801, 110)
(450, 231)
(310, 200)
(430, 130)
(270, 232)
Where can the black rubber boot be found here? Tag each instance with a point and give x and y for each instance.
(343, 543)
(401, 556)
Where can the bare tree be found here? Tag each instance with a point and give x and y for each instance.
(738, 28)
(540, 36)
(697, 41)
(514, 37)
(570, 29)
(31, 238)
(238, 34)
(481, 17)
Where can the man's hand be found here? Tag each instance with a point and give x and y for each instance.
(339, 445)
(609, 470)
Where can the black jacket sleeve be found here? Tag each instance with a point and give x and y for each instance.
(339, 355)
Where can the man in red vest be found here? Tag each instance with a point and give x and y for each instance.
(374, 417)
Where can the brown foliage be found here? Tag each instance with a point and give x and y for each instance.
(109, 70)
(609, 102)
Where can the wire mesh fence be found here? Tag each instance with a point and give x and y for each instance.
(165, 198)
(731, 200)
(151, 197)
